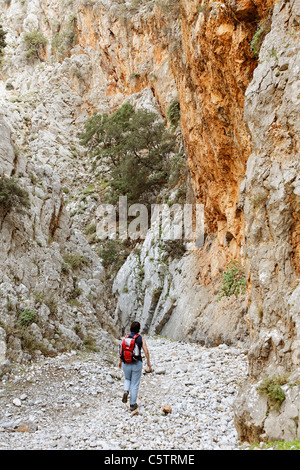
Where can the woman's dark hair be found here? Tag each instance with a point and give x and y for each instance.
(135, 327)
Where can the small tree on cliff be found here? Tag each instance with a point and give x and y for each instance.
(12, 196)
(2, 41)
(133, 148)
(35, 43)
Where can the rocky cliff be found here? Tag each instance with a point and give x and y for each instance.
(270, 198)
(233, 67)
(51, 281)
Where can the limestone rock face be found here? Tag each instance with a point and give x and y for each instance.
(46, 305)
(162, 289)
(216, 53)
(271, 210)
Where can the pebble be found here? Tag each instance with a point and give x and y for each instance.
(17, 402)
(167, 408)
(185, 402)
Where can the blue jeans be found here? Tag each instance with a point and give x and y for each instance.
(133, 373)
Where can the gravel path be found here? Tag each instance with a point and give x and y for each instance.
(73, 401)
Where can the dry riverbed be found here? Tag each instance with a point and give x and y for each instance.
(73, 401)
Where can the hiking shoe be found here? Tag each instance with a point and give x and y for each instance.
(133, 407)
(125, 396)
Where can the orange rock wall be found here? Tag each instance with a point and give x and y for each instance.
(211, 63)
(201, 53)
(212, 80)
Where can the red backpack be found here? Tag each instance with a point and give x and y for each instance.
(129, 349)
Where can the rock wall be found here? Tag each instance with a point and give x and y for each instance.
(212, 76)
(270, 195)
(271, 189)
(50, 301)
(161, 287)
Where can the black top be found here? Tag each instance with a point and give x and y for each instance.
(139, 342)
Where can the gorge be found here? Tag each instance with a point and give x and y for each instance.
(232, 68)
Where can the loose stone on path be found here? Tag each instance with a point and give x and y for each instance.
(75, 401)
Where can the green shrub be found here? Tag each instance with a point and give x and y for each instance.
(262, 30)
(26, 317)
(90, 344)
(134, 146)
(114, 253)
(65, 267)
(174, 114)
(178, 172)
(279, 445)
(234, 282)
(12, 196)
(35, 43)
(271, 388)
(63, 42)
(51, 303)
(3, 43)
(73, 261)
(90, 229)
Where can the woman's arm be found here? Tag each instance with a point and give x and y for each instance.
(146, 351)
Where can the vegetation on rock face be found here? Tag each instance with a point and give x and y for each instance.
(2, 40)
(262, 30)
(34, 41)
(73, 261)
(205, 9)
(64, 41)
(271, 388)
(26, 317)
(12, 196)
(174, 113)
(134, 148)
(234, 282)
(114, 253)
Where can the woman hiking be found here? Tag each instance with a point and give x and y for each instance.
(132, 363)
